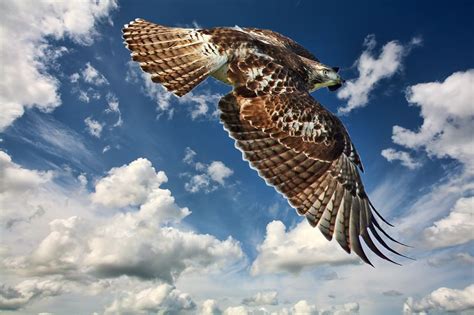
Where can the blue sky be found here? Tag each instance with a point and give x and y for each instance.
(117, 197)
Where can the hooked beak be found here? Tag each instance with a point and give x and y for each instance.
(339, 83)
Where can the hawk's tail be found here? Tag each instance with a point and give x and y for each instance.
(178, 58)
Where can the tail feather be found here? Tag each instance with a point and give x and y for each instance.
(178, 58)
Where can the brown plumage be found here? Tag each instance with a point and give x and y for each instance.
(291, 140)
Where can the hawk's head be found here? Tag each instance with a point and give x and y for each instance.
(324, 76)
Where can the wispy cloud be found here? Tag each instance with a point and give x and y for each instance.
(404, 157)
(53, 137)
(92, 76)
(113, 107)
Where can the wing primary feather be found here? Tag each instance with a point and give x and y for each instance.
(380, 216)
(377, 225)
(382, 242)
(366, 237)
(354, 231)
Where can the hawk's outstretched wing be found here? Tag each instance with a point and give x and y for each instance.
(301, 149)
(278, 39)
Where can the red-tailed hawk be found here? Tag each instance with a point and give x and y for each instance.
(293, 142)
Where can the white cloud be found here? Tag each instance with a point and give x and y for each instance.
(128, 185)
(209, 174)
(236, 310)
(372, 69)
(94, 127)
(219, 172)
(23, 293)
(25, 29)
(113, 107)
(262, 298)
(344, 309)
(86, 95)
(457, 228)
(74, 77)
(292, 251)
(447, 112)
(202, 100)
(16, 185)
(92, 76)
(210, 307)
(303, 307)
(82, 178)
(138, 243)
(162, 298)
(83, 96)
(17, 180)
(442, 300)
(189, 155)
(199, 182)
(404, 157)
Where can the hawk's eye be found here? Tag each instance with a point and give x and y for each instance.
(325, 72)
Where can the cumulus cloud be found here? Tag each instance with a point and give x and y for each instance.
(94, 127)
(303, 307)
(26, 28)
(162, 299)
(447, 112)
(262, 298)
(209, 174)
(14, 298)
(219, 172)
(128, 185)
(144, 241)
(404, 157)
(16, 185)
(292, 251)
(457, 228)
(236, 310)
(372, 69)
(442, 300)
(209, 307)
